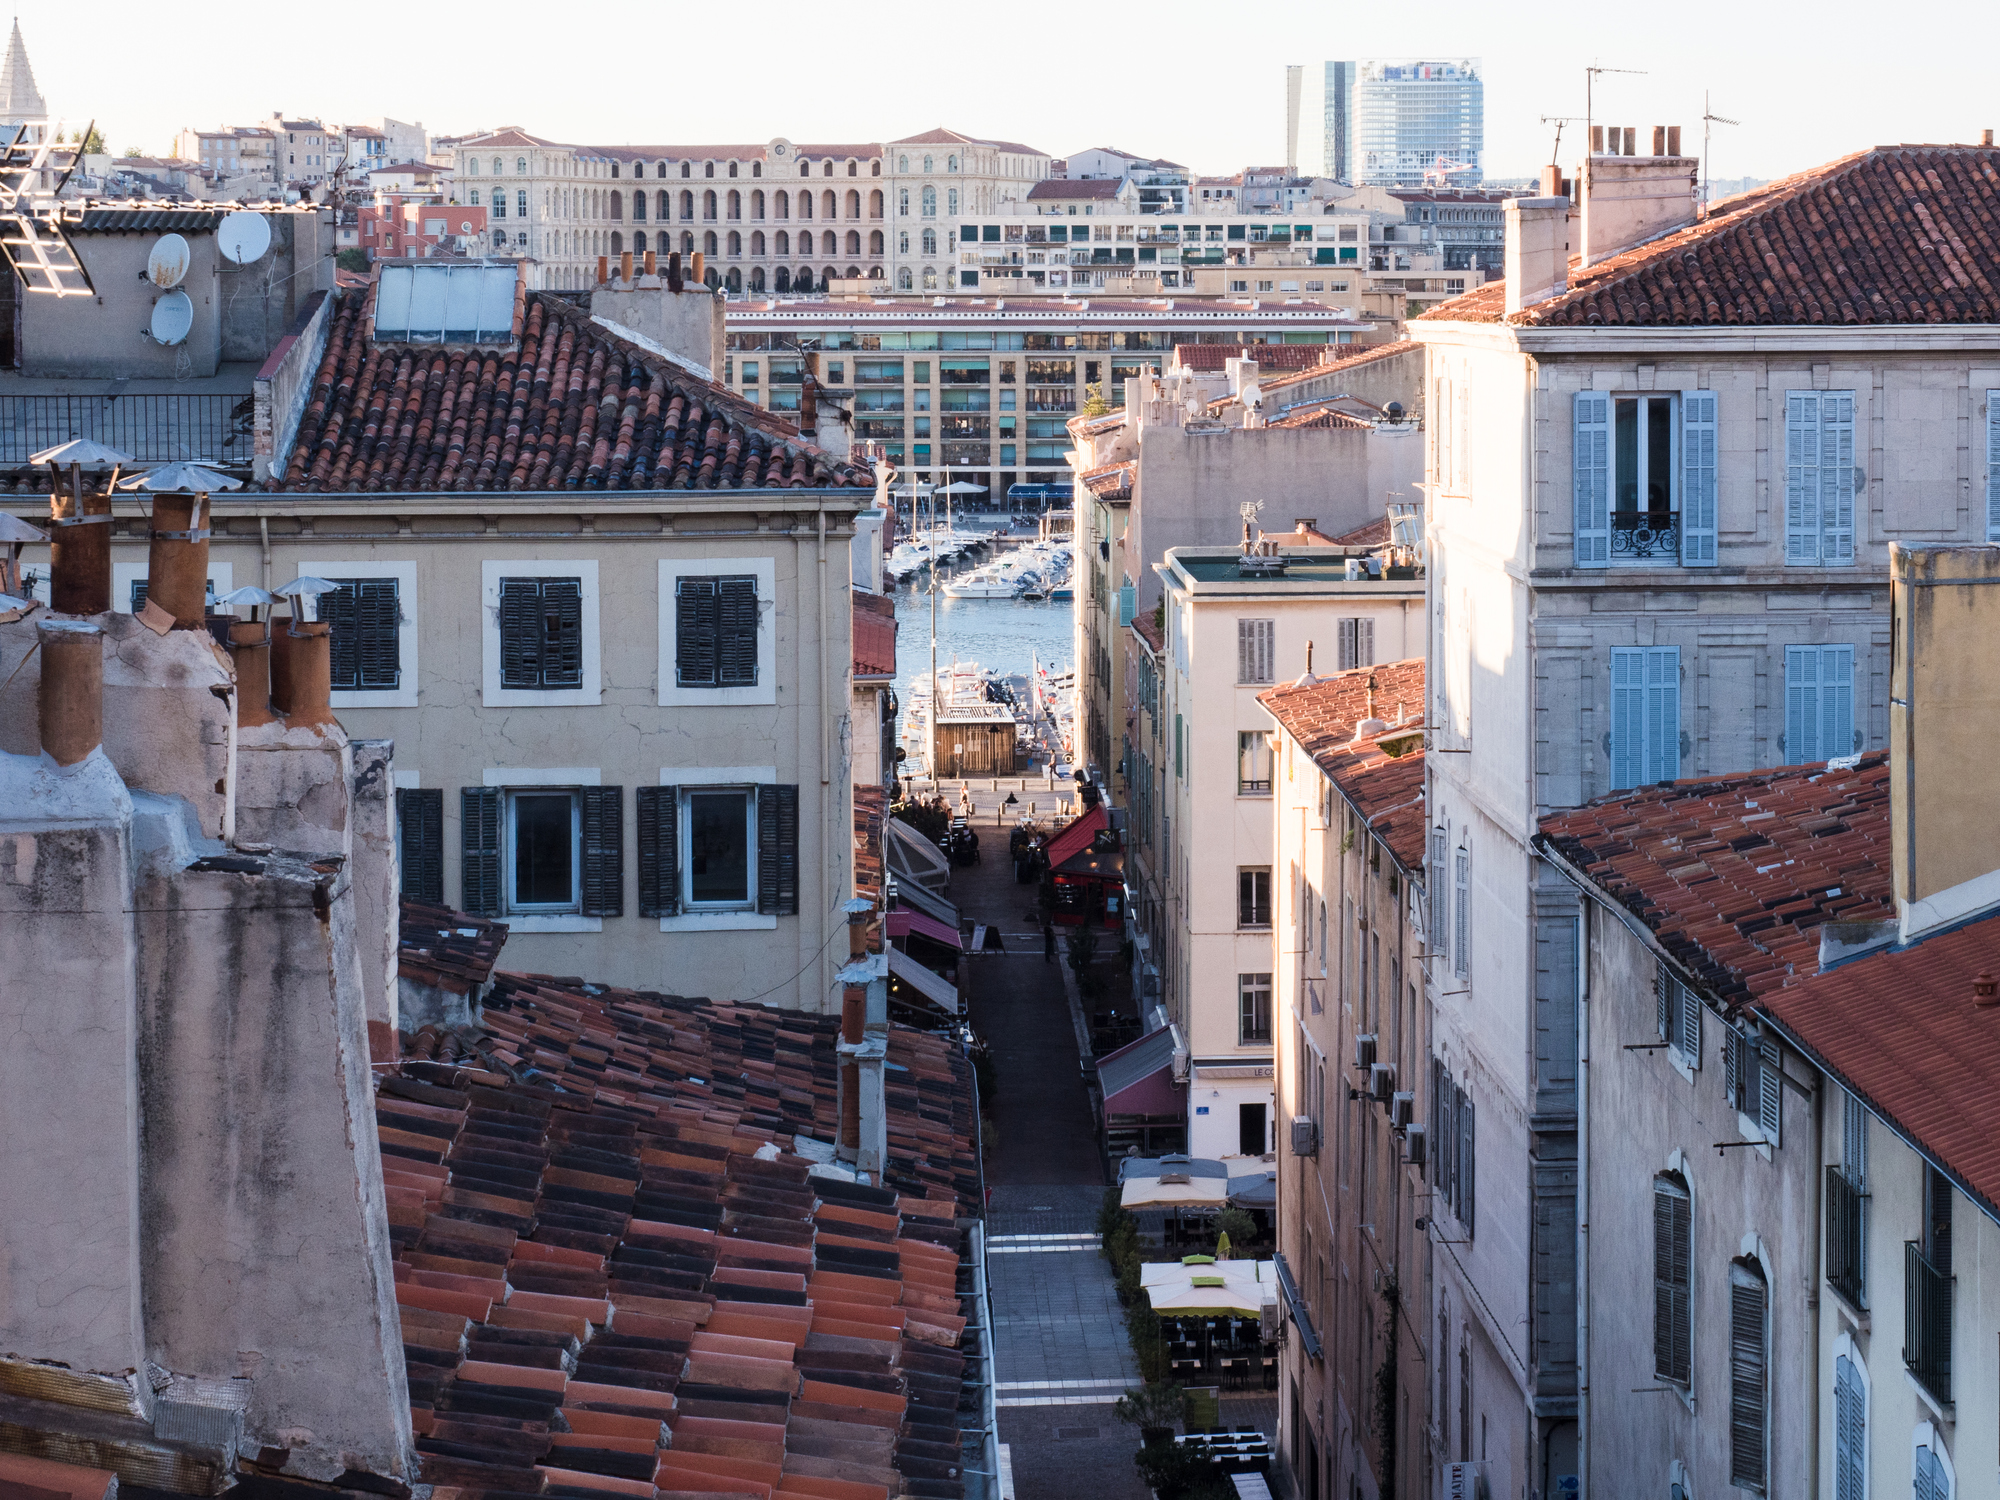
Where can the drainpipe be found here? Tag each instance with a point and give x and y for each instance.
(825, 721)
(264, 537)
(1816, 1302)
(1583, 1197)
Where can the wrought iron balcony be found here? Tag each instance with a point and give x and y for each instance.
(1843, 1235)
(1646, 535)
(1927, 1298)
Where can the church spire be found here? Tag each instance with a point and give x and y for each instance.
(20, 101)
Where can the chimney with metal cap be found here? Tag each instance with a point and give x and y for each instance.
(79, 550)
(177, 558)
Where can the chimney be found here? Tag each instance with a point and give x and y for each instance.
(1629, 199)
(1985, 137)
(79, 550)
(72, 689)
(674, 282)
(250, 647)
(1944, 809)
(603, 269)
(809, 396)
(309, 672)
(177, 561)
(652, 263)
(625, 266)
(1537, 256)
(699, 277)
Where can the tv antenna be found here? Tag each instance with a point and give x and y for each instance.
(34, 223)
(1708, 118)
(1555, 151)
(1590, 97)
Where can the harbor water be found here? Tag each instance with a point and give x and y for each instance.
(1003, 635)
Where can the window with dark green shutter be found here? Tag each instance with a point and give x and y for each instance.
(479, 849)
(1673, 1306)
(778, 851)
(420, 842)
(1749, 1300)
(715, 632)
(658, 809)
(604, 851)
(366, 616)
(541, 633)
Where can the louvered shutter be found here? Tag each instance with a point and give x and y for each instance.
(1931, 1481)
(778, 851)
(1662, 1001)
(378, 619)
(1555, 1013)
(1461, 947)
(1467, 1161)
(1690, 1007)
(1440, 1154)
(1440, 893)
(1364, 643)
(1698, 453)
(520, 633)
(604, 851)
(1732, 1067)
(138, 594)
(337, 608)
(658, 809)
(1663, 713)
(1126, 593)
(562, 625)
(1836, 478)
(420, 842)
(1836, 702)
(695, 622)
(1748, 1298)
(1993, 466)
(1462, 442)
(1802, 716)
(1854, 1140)
(1348, 650)
(1628, 716)
(479, 849)
(1802, 530)
(1850, 1432)
(736, 632)
(1770, 1092)
(1672, 1282)
(1590, 465)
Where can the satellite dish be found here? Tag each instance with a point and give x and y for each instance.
(173, 316)
(169, 261)
(244, 237)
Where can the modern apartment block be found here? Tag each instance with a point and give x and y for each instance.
(1405, 123)
(1664, 476)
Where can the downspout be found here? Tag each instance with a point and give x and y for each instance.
(1583, 1194)
(1816, 1302)
(825, 721)
(264, 540)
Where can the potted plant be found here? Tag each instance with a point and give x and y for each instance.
(1153, 1409)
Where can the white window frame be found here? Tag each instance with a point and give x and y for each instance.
(405, 574)
(764, 691)
(711, 919)
(1248, 744)
(1926, 1435)
(527, 778)
(492, 695)
(510, 903)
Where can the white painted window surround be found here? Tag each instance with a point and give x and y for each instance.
(492, 695)
(405, 574)
(125, 574)
(746, 776)
(765, 690)
(526, 776)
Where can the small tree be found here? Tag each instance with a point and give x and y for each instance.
(1094, 404)
(351, 259)
(1082, 945)
(1151, 1406)
(93, 144)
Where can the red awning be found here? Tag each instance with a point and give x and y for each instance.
(1077, 836)
(903, 922)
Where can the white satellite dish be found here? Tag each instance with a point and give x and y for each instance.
(168, 263)
(244, 237)
(173, 316)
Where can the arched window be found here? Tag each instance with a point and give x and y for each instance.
(854, 273)
(708, 169)
(781, 203)
(757, 204)
(805, 242)
(903, 280)
(826, 169)
(951, 163)
(735, 243)
(951, 201)
(687, 204)
(732, 169)
(805, 169)
(930, 201)
(520, 166)
(687, 242)
(617, 204)
(875, 204)
(803, 282)
(930, 242)
(665, 209)
(782, 243)
(756, 278)
(853, 204)
(930, 278)
(472, 166)
(687, 168)
(853, 242)
(499, 239)
(757, 170)
(903, 242)
(614, 169)
(734, 280)
(874, 273)
(875, 169)
(902, 203)
(927, 163)
(783, 280)
(617, 242)
(496, 166)
(708, 205)
(829, 206)
(639, 206)
(902, 164)
(874, 242)
(806, 204)
(735, 204)
(638, 242)
(638, 169)
(708, 244)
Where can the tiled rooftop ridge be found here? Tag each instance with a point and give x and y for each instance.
(1386, 790)
(571, 407)
(614, 1275)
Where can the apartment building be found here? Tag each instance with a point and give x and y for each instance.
(986, 387)
(308, 151)
(1829, 1021)
(1661, 492)
(1360, 1117)
(238, 153)
(1235, 622)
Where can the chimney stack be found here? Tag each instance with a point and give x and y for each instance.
(72, 689)
(603, 269)
(250, 647)
(674, 282)
(625, 266)
(177, 560)
(1985, 137)
(309, 673)
(652, 263)
(79, 550)
(700, 276)
(1537, 254)
(1628, 199)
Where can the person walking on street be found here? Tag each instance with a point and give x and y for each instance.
(1048, 942)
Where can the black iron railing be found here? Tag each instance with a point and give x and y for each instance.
(1649, 534)
(1843, 1235)
(152, 428)
(1927, 1296)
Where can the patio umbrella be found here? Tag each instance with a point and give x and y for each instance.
(1217, 1289)
(964, 487)
(1153, 1192)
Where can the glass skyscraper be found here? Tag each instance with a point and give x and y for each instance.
(1389, 123)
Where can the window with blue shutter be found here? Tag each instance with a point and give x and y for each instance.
(1590, 465)
(715, 632)
(1850, 1432)
(365, 648)
(1461, 945)
(1749, 1344)
(1698, 453)
(1819, 478)
(1645, 715)
(1819, 703)
(1126, 592)
(420, 842)
(1932, 1481)
(1993, 466)
(541, 633)
(1673, 1280)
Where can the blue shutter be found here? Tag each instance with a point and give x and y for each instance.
(1802, 476)
(1836, 478)
(1590, 464)
(1850, 1432)
(1836, 702)
(1628, 714)
(1125, 591)
(1698, 520)
(1663, 713)
(1802, 715)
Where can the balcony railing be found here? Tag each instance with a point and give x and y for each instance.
(1843, 1235)
(153, 429)
(1645, 535)
(1927, 1296)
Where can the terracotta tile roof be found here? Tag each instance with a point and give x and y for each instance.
(1345, 357)
(1386, 790)
(1900, 1029)
(1734, 875)
(1374, 534)
(569, 406)
(1111, 479)
(874, 635)
(614, 1273)
(1091, 426)
(1149, 631)
(446, 948)
(1319, 414)
(1078, 188)
(509, 135)
(1268, 356)
(1896, 234)
(943, 137)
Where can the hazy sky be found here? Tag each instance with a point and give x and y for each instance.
(1199, 83)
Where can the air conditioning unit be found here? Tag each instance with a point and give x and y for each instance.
(1382, 1082)
(1465, 1481)
(1402, 1110)
(1305, 1137)
(1270, 1323)
(1364, 1051)
(1416, 1147)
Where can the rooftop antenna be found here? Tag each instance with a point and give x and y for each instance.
(1590, 97)
(1708, 118)
(1555, 151)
